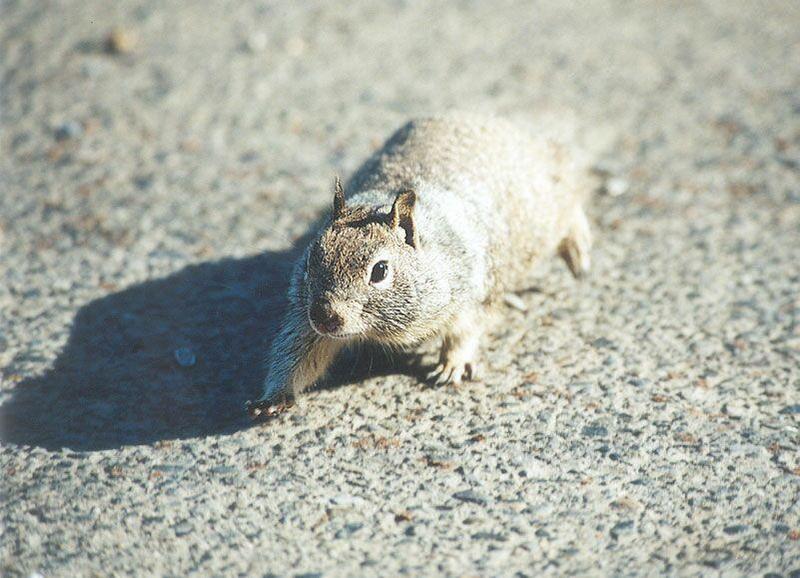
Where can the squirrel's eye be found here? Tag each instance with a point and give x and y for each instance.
(379, 272)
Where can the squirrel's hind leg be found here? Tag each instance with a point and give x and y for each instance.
(576, 247)
(458, 358)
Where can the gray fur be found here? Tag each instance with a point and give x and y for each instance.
(489, 201)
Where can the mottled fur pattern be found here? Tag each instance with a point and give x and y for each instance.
(459, 209)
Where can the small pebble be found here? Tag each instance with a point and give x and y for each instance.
(345, 500)
(621, 528)
(471, 496)
(256, 43)
(616, 186)
(595, 431)
(348, 530)
(514, 301)
(185, 357)
(493, 536)
(71, 129)
(734, 409)
(737, 529)
(120, 41)
(183, 529)
(602, 342)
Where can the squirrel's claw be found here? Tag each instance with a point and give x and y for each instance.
(268, 407)
(453, 373)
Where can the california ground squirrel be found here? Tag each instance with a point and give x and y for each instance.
(449, 215)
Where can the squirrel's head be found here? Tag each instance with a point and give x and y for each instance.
(360, 274)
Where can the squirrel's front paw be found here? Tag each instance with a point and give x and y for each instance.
(459, 354)
(273, 401)
(268, 407)
(454, 367)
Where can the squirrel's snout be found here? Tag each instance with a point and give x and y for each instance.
(324, 319)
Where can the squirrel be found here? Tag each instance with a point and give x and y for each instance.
(438, 225)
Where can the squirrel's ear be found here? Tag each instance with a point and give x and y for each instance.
(402, 216)
(338, 198)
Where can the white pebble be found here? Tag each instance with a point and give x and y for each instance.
(617, 186)
(257, 42)
(514, 301)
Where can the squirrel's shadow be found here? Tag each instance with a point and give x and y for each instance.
(170, 358)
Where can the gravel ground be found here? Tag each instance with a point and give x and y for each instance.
(642, 421)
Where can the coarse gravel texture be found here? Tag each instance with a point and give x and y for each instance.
(641, 421)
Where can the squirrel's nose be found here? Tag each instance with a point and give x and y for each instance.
(324, 318)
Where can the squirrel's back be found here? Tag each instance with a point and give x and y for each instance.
(514, 194)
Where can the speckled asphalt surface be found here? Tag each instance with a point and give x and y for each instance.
(641, 421)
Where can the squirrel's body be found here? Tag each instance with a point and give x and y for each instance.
(454, 212)
(516, 194)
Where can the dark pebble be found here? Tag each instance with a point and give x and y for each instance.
(719, 557)
(183, 529)
(489, 536)
(781, 528)
(169, 468)
(471, 496)
(603, 343)
(595, 430)
(620, 528)
(143, 182)
(69, 130)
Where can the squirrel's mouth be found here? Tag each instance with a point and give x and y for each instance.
(332, 333)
